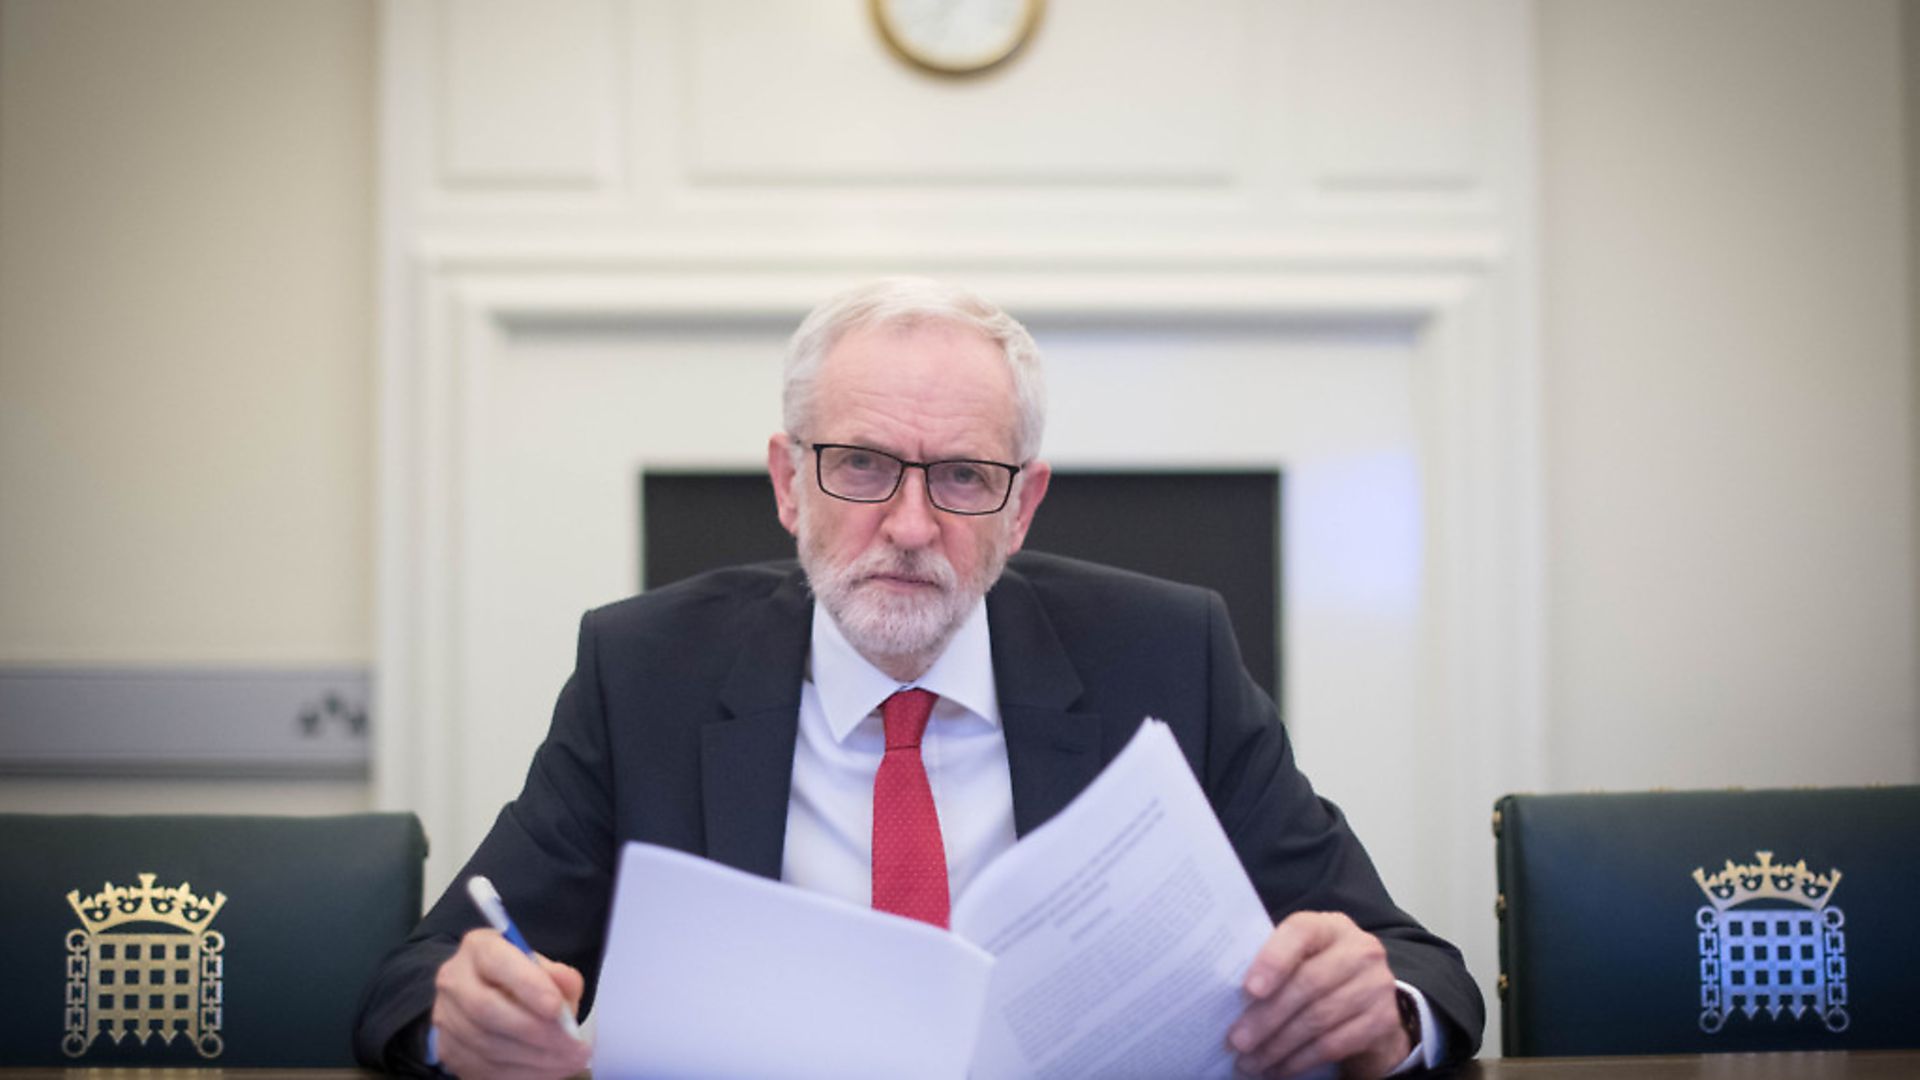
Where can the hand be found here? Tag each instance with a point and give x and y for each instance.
(1319, 992)
(498, 1012)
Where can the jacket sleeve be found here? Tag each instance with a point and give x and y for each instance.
(550, 853)
(1298, 849)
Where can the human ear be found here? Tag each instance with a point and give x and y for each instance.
(782, 471)
(1031, 487)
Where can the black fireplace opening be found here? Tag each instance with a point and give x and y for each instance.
(1217, 528)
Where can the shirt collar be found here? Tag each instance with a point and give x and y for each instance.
(850, 687)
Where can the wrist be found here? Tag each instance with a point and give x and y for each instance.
(1409, 1017)
(422, 1053)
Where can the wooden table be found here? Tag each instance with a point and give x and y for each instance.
(1857, 1065)
(1860, 1065)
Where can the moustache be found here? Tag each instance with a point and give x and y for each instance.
(911, 565)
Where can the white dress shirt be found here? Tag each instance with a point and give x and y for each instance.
(829, 843)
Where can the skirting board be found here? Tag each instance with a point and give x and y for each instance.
(184, 722)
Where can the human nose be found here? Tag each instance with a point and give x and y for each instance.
(910, 521)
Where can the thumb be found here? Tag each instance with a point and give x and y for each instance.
(569, 980)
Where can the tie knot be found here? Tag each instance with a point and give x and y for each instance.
(905, 714)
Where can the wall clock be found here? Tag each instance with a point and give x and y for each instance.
(956, 37)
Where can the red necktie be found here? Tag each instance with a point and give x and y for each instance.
(909, 861)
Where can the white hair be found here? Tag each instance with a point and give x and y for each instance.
(904, 301)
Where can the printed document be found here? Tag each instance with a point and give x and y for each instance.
(1110, 942)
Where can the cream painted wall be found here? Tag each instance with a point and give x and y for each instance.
(1729, 409)
(186, 417)
(186, 220)
(1910, 55)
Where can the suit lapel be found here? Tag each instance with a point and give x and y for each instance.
(746, 759)
(1053, 750)
(746, 764)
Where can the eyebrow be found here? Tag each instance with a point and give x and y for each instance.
(868, 444)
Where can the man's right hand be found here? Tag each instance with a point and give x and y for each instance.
(498, 1012)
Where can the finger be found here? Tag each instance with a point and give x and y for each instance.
(1310, 1023)
(471, 1066)
(1298, 936)
(571, 983)
(517, 975)
(1344, 952)
(1348, 977)
(477, 1012)
(1354, 1042)
(471, 1047)
(471, 1052)
(484, 1026)
(506, 1018)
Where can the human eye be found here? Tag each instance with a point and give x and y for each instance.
(855, 459)
(964, 474)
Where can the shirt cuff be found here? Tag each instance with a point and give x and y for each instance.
(1432, 1047)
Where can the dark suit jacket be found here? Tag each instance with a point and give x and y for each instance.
(678, 725)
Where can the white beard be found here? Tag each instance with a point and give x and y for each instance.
(883, 625)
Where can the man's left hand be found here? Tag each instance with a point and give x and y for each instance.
(1319, 992)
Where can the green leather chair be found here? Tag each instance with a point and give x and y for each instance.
(197, 940)
(1696, 922)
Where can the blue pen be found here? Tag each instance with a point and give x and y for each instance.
(487, 899)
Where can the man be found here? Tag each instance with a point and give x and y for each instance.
(732, 716)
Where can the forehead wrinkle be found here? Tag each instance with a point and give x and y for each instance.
(950, 397)
(952, 428)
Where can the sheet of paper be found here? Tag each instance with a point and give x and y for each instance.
(716, 973)
(1121, 930)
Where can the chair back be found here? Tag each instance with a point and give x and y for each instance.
(197, 940)
(1695, 922)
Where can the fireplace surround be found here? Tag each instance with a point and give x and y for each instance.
(1302, 242)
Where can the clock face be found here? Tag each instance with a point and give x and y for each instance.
(956, 37)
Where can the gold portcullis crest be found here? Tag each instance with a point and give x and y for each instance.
(143, 964)
(1771, 941)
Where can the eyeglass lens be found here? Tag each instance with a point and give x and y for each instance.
(862, 475)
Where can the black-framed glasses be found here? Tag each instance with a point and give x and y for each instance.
(864, 475)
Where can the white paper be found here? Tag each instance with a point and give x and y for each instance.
(1112, 942)
(716, 973)
(1121, 930)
